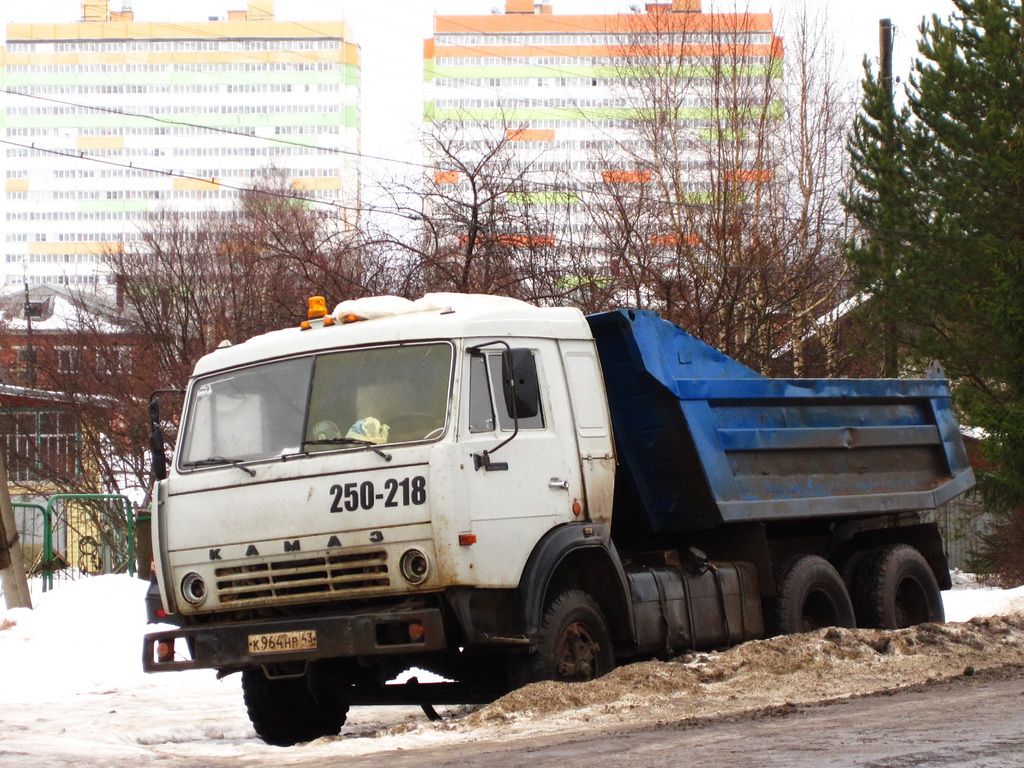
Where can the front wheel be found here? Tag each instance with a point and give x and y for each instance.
(574, 644)
(285, 712)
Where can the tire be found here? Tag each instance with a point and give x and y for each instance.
(284, 712)
(896, 588)
(810, 595)
(574, 644)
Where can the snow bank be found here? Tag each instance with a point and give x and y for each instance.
(965, 604)
(73, 692)
(82, 635)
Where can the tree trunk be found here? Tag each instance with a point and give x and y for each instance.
(12, 564)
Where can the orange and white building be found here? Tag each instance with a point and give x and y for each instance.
(109, 120)
(556, 85)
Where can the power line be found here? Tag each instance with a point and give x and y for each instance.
(573, 189)
(332, 150)
(80, 155)
(412, 164)
(186, 124)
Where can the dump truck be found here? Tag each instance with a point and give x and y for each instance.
(498, 493)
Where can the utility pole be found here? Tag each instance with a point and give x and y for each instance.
(885, 34)
(12, 563)
(890, 357)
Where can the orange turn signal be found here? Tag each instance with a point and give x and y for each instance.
(467, 539)
(416, 632)
(165, 651)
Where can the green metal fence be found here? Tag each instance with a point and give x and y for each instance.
(86, 534)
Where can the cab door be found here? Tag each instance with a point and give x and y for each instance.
(523, 486)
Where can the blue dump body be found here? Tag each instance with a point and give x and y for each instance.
(703, 440)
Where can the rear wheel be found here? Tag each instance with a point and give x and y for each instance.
(810, 595)
(574, 644)
(285, 711)
(896, 588)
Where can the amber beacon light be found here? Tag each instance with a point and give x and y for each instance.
(317, 307)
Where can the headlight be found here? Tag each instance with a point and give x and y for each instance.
(414, 567)
(193, 588)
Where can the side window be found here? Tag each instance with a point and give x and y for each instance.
(486, 398)
(481, 412)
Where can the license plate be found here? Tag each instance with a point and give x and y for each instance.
(283, 642)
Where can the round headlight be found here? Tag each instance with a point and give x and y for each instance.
(193, 588)
(414, 566)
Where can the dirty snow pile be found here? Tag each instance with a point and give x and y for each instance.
(765, 674)
(72, 691)
(984, 629)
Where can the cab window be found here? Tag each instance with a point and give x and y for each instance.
(486, 398)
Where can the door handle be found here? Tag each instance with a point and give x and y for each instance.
(558, 485)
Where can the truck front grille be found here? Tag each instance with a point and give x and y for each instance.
(291, 580)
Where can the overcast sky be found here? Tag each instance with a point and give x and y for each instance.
(391, 32)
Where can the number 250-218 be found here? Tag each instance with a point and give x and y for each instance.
(396, 493)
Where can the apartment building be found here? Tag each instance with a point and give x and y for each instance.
(108, 121)
(571, 94)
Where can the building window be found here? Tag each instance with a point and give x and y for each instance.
(69, 359)
(113, 361)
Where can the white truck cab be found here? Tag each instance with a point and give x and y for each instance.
(353, 458)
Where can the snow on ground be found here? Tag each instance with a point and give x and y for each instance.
(967, 599)
(72, 692)
(71, 684)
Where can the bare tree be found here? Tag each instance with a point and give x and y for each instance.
(819, 111)
(724, 205)
(485, 218)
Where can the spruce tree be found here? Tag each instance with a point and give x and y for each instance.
(879, 201)
(948, 213)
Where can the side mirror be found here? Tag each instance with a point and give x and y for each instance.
(520, 384)
(156, 441)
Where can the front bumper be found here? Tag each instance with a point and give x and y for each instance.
(233, 646)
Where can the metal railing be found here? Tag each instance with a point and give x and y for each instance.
(86, 534)
(29, 520)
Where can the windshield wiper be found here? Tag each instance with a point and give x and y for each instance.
(349, 441)
(215, 460)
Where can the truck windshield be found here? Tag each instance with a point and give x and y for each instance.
(373, 396)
